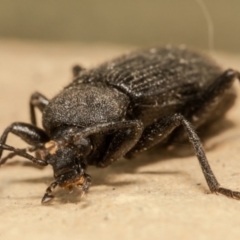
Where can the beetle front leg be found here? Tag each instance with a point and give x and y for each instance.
(161, 129)
(27, 132)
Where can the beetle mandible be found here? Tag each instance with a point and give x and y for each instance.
(124, 107)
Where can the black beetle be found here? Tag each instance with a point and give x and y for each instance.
(124, 107)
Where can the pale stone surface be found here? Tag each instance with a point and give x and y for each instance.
(160, 195)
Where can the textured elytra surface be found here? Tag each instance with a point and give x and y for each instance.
(160, 81)
(157, 71)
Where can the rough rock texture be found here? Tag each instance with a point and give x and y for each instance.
(160, 195)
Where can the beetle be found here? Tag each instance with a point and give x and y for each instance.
(122, 108)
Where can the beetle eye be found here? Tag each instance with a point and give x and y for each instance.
(84, 145)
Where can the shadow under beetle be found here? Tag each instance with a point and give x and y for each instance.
(124, 107)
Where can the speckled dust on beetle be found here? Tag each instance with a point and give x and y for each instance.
(124, 107)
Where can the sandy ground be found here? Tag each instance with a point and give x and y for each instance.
(160, 195)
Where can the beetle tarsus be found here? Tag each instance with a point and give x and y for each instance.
(227, 192)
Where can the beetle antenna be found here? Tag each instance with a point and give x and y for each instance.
(22, 153)
(13, 154)
(210, 25)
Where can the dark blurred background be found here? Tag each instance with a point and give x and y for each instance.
(134, 22)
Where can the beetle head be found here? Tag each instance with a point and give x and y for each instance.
(67, 161)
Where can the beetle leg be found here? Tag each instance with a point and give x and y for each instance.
(126, 136)
(39, 101)
(162, 128)
(27, 132)
(154, 134)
